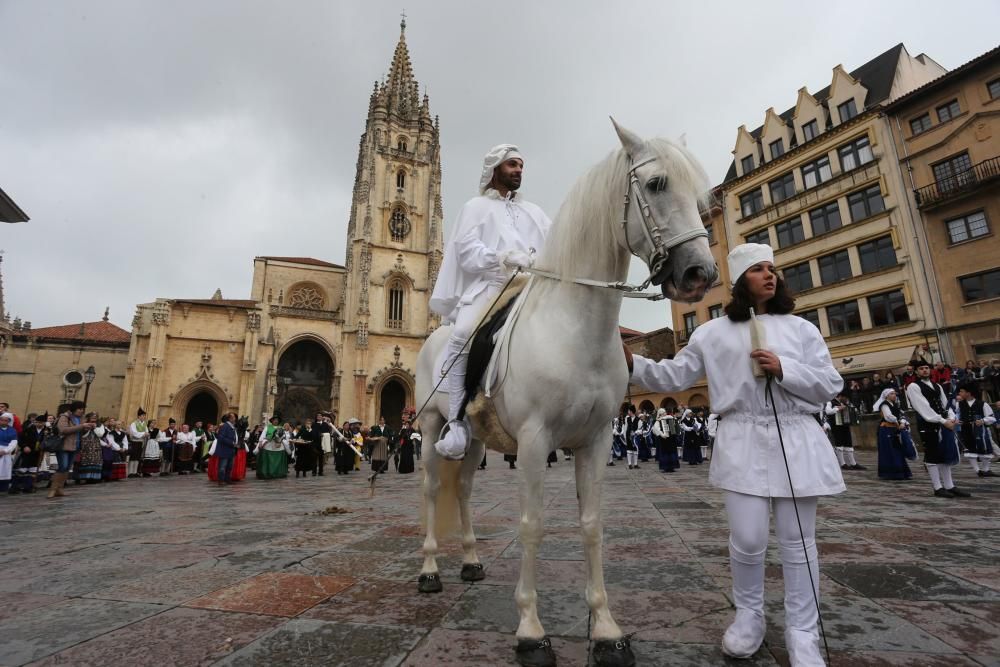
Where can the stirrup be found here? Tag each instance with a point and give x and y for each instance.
(458, 423)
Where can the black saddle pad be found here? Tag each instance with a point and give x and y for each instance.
(480, 351)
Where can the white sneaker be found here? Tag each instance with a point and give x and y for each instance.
(803, 649)
(745, 635)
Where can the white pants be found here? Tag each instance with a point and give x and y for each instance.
(632, 456)
(748, 536)
(468, 316)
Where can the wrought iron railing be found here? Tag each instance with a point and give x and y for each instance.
(958, 183)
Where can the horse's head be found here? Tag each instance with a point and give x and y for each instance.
(662, 224)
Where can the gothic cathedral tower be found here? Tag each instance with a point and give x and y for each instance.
(394, 247)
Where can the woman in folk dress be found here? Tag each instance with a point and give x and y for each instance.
(748, 462)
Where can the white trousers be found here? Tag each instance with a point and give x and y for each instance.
(632, 456)
(749, 518)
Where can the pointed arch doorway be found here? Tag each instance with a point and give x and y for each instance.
(392, 400)
(202, 407)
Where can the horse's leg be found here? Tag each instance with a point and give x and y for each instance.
(533, 647)
(609, 647)
(472, 569)
(430, 579)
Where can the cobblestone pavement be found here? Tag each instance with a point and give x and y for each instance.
(181, 572)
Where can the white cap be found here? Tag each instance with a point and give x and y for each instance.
(742, 257)
(497, 155)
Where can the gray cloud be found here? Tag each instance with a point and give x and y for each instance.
(159, 146)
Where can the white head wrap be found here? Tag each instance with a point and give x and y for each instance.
(742, 257)
(496, 156)
(8, 416)
(882, 398)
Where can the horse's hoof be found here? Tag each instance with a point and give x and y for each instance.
(429, 583)
(535, 653)
(473, 572)
(613, 653)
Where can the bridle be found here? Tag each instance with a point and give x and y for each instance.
(659, 249)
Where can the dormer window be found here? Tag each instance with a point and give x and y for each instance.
(777, 149)
(747, 164)
(847, 110)
(810, 130)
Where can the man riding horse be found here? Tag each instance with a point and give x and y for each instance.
(495, 232)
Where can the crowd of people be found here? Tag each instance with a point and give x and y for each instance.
(863, 392)
(80, 446)
(671, 437)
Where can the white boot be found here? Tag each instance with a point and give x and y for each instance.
(801, 616)
(745, 635)
(456, 441)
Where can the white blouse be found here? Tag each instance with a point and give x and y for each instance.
(748, 456)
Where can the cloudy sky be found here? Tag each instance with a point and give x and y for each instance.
(158, 147)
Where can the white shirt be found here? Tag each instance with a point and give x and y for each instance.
(887, 416)
(748, 456)
(923, 408)
(487, 227)
(190, 437)
(135, 434)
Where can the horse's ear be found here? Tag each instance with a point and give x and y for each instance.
(631, 142)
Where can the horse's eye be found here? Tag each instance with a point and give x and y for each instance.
(657, 184)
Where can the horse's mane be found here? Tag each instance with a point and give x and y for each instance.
(583, 228)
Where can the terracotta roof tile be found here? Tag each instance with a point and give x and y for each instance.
(87, 332)
(625, 332)
(302, 260)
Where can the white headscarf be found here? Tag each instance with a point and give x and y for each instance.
(497, 155)
(882, 398)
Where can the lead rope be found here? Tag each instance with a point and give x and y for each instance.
(769, 394)
(374, 476)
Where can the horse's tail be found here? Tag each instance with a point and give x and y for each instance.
(447, 519)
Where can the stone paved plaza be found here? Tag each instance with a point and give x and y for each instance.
(180, 572)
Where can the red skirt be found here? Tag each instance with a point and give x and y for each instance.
(239, 467)
(118, 470)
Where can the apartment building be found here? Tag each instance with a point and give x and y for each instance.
(947, 138)
(821, 184)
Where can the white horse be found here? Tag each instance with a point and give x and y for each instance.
(566, 372)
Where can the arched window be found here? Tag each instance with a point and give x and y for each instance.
(395, 305)
(401, 144)
(401, 179)
(399, 226)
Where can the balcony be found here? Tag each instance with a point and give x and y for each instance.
(958, 184)
(683, 335)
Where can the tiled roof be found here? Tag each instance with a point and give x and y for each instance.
(86, 332)
(228, 303)
(625, 332)
(876, 75)
(944, 78)
(302, 260)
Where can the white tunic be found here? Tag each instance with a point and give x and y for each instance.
(748, 457)
(7, 454)
(487, 227)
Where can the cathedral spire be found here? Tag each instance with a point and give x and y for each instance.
(399, 87)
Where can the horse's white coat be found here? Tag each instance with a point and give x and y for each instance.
(566, 372)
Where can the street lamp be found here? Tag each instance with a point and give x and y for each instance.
(88, 377)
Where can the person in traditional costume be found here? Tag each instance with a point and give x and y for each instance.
(975, 416)
(109, 451)
(643, 436)
(358, 441)
(201, 445)
(790, 373)
(632, 447)
(168, 449)
(185, 445)
(119, 435)
(324, 443)
(151, 450)
(343, 456)
(91, 463)
(207, 440)
(929, 401)
(690, 441)
(404, 445)
(138, 435)
(305, 450)
(224, 449)
(894, 443)
(273, 450)
(494, 233)
(665, 437)
(8, 450)
(31, 455)
(838, 414)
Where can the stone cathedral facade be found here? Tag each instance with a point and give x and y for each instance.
(315, 335)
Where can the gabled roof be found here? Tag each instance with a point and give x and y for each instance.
(309, 261)
(876, 75)
(944, 79)
(85, 332)
(9, 210)
(625, 332)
